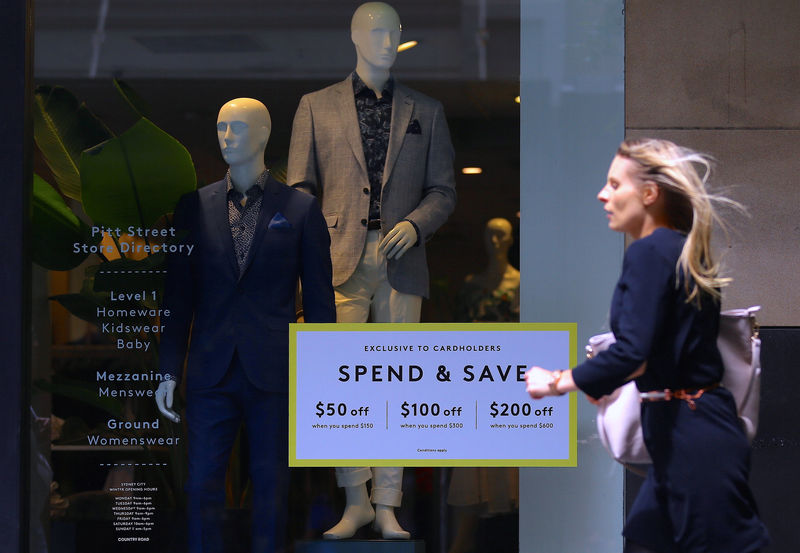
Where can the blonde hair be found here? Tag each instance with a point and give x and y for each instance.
(689, 207)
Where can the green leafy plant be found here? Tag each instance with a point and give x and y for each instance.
(63, 129)
(56, 228)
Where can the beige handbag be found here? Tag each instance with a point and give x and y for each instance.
(618, 422)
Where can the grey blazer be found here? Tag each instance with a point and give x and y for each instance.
(326, 157)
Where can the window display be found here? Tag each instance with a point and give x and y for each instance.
(129, 451)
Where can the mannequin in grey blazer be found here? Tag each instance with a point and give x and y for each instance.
(326, 158)
(379, 264)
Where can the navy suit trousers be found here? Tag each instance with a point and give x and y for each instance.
(214, 416)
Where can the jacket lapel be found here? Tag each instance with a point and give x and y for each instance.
(402, 108)
(346, 109)
(219, 209)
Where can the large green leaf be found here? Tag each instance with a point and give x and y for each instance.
(63, 128)
(83, 305)
(57, 231)
(139, 106)
(135, 178)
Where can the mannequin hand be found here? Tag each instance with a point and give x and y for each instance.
(164, 395)
(537, 382)
(398, 240)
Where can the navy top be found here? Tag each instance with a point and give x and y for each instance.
(652, 322)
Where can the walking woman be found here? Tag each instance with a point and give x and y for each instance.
(665, 316)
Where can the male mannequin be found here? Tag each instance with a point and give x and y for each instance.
(379, 157)
(235, 296)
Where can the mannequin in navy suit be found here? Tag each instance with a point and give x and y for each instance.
(230, 305)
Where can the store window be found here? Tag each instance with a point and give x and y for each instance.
(126, 61)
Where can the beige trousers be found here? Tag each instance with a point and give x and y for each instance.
(368, 290)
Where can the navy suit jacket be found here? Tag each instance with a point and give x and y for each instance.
(215, 311)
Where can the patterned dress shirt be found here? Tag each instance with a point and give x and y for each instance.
(243, 218)
(374, 121)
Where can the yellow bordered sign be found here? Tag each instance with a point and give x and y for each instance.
(428, 394)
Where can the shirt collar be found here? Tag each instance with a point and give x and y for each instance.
(252, 193)
(360, 87)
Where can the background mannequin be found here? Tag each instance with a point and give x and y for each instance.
(379, 157)
(254, 237)
(480, 493)
(493, 294)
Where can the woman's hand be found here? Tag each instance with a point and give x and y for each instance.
(537, 382)
(540, 382)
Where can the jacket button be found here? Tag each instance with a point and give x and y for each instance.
(364, 222)
(366, 191)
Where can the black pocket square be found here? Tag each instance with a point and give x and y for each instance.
(414, 128)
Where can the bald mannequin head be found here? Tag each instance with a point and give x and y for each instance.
(243, 129)
(371, 12)
(375, 32)
(498, 236)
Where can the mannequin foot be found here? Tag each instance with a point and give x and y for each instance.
(354, 517)
(387, 525)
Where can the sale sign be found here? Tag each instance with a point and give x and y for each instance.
(428, 395)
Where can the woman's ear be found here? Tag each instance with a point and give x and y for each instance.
(650, 193)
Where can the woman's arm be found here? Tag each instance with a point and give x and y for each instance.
(540, 382)
(644, 299)
(644, 296)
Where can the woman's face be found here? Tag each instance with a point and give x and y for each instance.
(623, 198)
